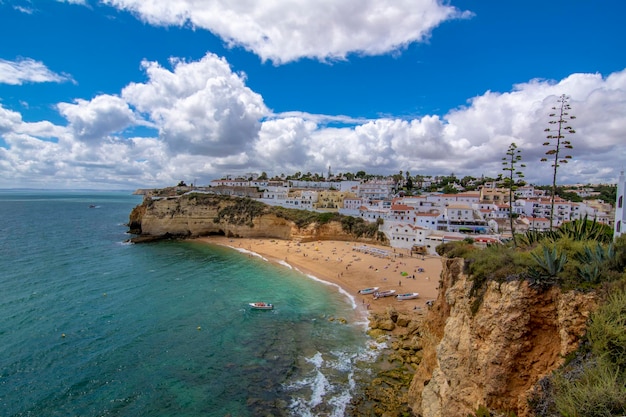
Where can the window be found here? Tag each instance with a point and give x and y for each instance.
(619, 204)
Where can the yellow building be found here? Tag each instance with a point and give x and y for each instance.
(494, 195)
(332, 200)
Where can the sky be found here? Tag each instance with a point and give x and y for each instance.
(124, 94)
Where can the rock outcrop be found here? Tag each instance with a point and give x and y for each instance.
(195, 215)
(493, 355)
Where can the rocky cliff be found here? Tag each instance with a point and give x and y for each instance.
(492, 355)
(195, 215)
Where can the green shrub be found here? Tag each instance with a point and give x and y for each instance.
(599, 391)
(455, 249)
(594, 384)
(498, 263)
(607, 330)
(242, 211)
(483, 411)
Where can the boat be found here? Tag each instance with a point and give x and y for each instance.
(407, 296)
(261, 306)
(381, 294)
(370, 290)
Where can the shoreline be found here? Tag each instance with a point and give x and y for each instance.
(351, 266)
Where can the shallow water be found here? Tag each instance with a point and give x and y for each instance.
(94, 326)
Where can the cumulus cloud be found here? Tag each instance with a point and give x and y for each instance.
(8, 120)
(467, 141)
(94, 120)
(208, 123)
(286, 30)
(284, 142)
(199, 107)
(27, 70)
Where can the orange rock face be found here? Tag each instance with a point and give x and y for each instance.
(495, 356)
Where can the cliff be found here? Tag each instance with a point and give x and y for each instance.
(466, 354)
(195, 215)
(494, 355)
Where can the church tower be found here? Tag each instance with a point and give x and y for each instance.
(620, 214)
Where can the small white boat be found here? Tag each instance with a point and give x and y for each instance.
(381, 294)
(370, 290)
(261, 306)
(407, 296)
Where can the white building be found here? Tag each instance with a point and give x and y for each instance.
(405, 236)
(376, 190)
(446, 199)
(275, 194)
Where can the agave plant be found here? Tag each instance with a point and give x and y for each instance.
(548, 266)
(531, 237)
(585, 229)
(593, 260)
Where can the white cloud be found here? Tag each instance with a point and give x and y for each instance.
(210, 124)
(283, 143)
(8, 120)
(468, 141)
(28, 70)
(286, 30)
(25, 10)
(200, 107)
(94, 120)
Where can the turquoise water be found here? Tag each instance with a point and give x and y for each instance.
(93, 326)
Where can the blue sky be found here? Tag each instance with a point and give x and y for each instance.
(129, 93)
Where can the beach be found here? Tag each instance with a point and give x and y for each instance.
(353, 266)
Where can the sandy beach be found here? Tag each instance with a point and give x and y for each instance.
(353, 266)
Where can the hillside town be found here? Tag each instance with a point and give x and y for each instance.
(421, 220)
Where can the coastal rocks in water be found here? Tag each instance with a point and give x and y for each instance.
(387, 393)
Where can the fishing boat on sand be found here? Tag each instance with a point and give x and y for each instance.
(370, 290)
(407, 296)
(261, 306)
(381, 294)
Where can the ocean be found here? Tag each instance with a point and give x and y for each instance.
(91, 325)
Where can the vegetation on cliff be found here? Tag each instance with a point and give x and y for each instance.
(579, 256)
(593, 381)
(242, 211)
